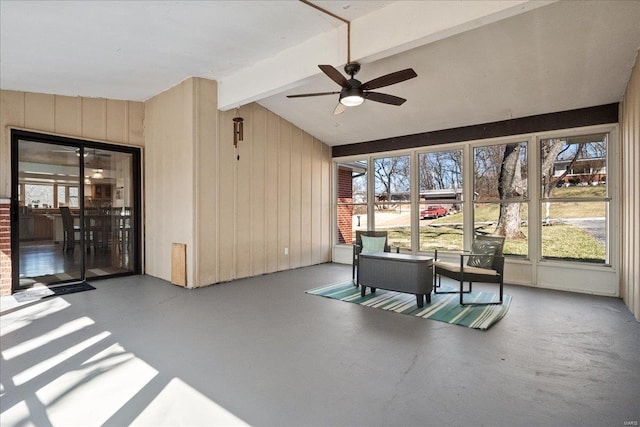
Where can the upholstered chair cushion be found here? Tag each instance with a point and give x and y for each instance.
(373, 244)
(486, 250)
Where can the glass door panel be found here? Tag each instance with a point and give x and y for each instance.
(49, 245)
(108, 212)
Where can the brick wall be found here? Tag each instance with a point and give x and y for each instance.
(345, 212)
(5, 248)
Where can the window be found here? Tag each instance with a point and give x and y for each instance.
(68, 196)
(574, 202)
(500, 194)
(38, 196)
(440, 207)
(352, 199)
(393, 199)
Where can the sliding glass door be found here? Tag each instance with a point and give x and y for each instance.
(75, 210)
(48, 179)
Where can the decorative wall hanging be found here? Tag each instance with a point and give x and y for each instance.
(238, 125)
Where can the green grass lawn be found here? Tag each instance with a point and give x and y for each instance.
(563, 241)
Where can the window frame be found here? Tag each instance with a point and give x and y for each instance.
(610, 199)
(533, 194)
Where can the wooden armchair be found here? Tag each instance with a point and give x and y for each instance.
(485, 264)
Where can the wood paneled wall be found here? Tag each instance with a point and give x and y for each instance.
(275, 197)
(169, 179)
(630, 275)
(236, 216)
(100, 119)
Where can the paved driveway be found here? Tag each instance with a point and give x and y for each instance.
(596, 227)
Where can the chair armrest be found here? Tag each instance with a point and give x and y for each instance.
(356, 249)
(435, 255)
(500, 259)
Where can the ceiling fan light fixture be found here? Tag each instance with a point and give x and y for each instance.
(97, 174)
(351, 98)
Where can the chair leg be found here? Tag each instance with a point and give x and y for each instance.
(353, 273)
(499, 302)
(439, 285)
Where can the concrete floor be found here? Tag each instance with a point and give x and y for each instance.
(260, 351)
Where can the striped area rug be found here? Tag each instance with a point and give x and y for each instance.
(443, 307)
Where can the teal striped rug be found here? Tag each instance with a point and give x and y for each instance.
(443, 307)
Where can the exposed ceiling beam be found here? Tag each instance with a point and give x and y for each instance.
(405, 24)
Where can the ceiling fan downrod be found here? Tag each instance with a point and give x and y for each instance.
(333, 15)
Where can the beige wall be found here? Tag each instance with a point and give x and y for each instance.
(276, 196)
(235, 216)
(180, 159)
(630, 275)
(108, 120)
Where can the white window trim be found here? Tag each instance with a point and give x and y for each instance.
(531, 271)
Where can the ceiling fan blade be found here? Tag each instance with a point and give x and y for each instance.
(340, 108)
(335, 75)
(302, 95)
(390, 79)
(384, 98)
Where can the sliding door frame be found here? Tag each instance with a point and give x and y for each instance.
(82, 145)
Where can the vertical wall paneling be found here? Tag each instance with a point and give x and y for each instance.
(326, 202)
(39, 111)
(272, 188)
(68, 115)
(307, 197)
(169, 185)
(281, 195)
(258, 189)
(295, 238)
(284, 180)
(243, 197)
(630, 134)
(135, 120)
(226, 189)
(116, 123)
(206, 178)
(316, 202)
(12, 110)
(94, 118)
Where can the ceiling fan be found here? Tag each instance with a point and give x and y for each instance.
(354, 92)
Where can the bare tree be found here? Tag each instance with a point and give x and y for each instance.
(392, 176)
(551, 149)
(511, 185)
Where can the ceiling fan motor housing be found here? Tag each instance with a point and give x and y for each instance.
(352, 68)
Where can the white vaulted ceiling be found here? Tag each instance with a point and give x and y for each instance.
(476, 61)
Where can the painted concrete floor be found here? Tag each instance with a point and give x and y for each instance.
(259, 351)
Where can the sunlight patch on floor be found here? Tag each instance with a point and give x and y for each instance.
(44, 339)
(45, 365)
(180, 404)
(97, 390)
(23, 317)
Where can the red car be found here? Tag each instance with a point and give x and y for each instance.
(433, 212)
